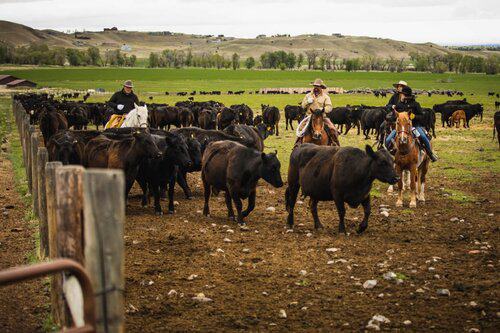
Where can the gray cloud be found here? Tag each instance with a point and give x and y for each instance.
(445, 21)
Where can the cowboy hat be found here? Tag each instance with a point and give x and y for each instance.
(128, 84)
(318, 83)
(400, 83)
(407, 91)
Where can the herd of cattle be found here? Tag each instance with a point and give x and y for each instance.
(225, 143)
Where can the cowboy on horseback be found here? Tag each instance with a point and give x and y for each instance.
(314, 100)
(122, 102)
(406, 102)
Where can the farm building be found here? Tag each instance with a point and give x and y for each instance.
(21, 83)
(4, 79)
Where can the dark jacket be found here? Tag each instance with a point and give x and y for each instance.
(393, 101)
(120, 97)
(412, 106)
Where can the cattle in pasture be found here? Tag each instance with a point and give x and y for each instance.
(164, 116)
(347, 115)
(258, 120)
(271, 117)
(235, 169)
(371, 119)
(293, 112)
(156, 174)
(207, 119)
(456, 117)
(186, 117)
(249, 133)
(204, 137)
(126, 153)
(67, 146)
(227, 117)
(244, 112)
(341, 174)
(496, 127)
(51, 121)
(497, 105)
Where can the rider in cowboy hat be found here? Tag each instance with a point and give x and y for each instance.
(124, 100)
(408, 104)
(396, 97)
(319, 99)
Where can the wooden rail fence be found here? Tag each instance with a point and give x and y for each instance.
(81, 214)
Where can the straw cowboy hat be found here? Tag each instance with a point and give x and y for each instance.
(128, 84)
(400, 83)
(319, 83)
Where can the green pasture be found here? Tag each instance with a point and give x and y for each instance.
(161, 80)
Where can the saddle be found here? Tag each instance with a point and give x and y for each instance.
(115, 121)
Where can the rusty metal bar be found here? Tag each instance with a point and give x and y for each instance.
(30, 272)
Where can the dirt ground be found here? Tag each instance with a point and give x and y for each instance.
(23, 307)
(251, 275)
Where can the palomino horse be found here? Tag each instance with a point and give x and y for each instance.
(409, 158)
(315, 131)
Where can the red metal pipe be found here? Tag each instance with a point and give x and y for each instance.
(30, 272)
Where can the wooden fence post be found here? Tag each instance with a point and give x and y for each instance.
(35, 142)
(42, 158)
(69, 220)
(31, 129)
(104, 213)
(50, 191)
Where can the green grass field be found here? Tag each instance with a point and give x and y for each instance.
(160, 80)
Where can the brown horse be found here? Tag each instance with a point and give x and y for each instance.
(407, 159)
(316, 132)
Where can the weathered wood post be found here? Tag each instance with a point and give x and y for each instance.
(69, 223)
(104, 213)
(31, 130)
(35, 142)
(50, 191)
(42, 158)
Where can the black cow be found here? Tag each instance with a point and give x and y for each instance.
(68, 146)
(344, 175)
(231, 167)
(155, 174)
(227, 117)
(249, 133)
(293, 112)
(207, 119)
(271, 117)
(244, 112)
(371, 119)
(496, 127)
(204, 137)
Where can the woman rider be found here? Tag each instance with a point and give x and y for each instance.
(407, 103)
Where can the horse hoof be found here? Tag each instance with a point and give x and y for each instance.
(319, 226)
(189, 198)
(390, 189)
(170, 212)
(158, 213)
(413, 204)
(399, 204)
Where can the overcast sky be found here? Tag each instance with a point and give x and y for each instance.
(441, 21)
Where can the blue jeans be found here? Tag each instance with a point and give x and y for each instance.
(423, 138)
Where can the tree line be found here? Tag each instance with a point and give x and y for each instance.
(330, 61)
(41, 54)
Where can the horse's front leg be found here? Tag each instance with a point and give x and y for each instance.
(399, 202)
(413, 187)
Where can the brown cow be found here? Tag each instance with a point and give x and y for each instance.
(51, 121)
(126, 153)
(457, 116)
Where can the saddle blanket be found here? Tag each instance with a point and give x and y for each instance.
(115, 121)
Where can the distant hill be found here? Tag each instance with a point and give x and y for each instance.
(142, 43)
